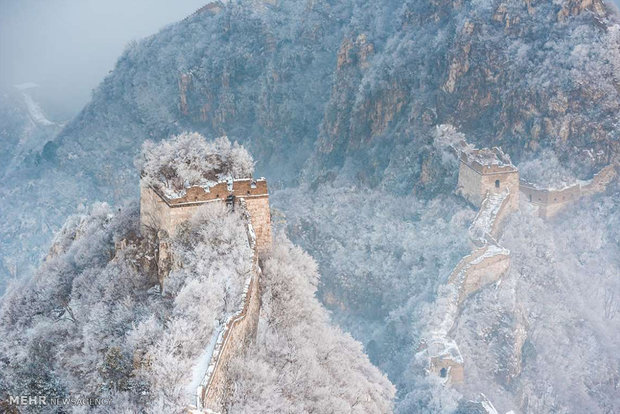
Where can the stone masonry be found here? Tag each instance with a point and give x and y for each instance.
(162, 213)
(488, 180)
(232, 340)
(550, 201)
(483, 171)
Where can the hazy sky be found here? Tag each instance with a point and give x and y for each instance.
(68, 46)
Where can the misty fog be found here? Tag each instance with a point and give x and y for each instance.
(68, 46)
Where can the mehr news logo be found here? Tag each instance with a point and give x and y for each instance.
(42, 400)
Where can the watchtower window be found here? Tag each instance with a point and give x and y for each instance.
(496, 183)
(443, 372)
(530, 198)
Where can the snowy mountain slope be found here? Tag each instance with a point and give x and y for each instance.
(92, 322)
(25, 128)
(353, 88)
(341, 97)
(24, 131)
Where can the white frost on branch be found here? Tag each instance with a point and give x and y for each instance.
(188, 159)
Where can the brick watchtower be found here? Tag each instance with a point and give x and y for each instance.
(157, 211)
(483, 171)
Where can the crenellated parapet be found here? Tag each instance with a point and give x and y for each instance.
(161, 212)
(551, 200)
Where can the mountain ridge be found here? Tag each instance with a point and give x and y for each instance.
(326, 91)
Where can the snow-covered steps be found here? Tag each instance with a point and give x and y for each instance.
(485, 225)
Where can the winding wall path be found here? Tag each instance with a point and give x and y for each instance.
(484, 265)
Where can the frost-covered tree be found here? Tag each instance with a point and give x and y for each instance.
(91, 322)
(189, 159)
(546, 171)
(301, 363)
(382, 259)
(545, 338)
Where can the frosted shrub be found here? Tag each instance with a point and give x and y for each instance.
(545, 170)
(188, 159)
(301, 363)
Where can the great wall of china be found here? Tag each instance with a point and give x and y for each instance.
(487, 262)
(488, 180)
(551, 201)
(211, 385)
(231, 340)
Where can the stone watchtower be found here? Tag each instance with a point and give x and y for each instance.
(483, 171)
(160, 212)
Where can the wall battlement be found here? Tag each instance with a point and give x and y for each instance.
(159, 212)
(550, 201)
(488, 161)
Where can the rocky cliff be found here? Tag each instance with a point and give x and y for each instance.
(358, 87)
(320, 90)
(346, 91)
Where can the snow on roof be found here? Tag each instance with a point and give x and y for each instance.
(488, 156)
(445, 348)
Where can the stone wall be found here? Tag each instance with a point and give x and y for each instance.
(483, 266)
(153, 214)
(163, 215)
(158, 212)
(448, 368)
(483, 271)
(474, 185)
(486, 224)
(551, 201)
(233, 340)
(468, 185)
(600, 181)
(258, 208)
(239, 188)
(507, 181)
(510, 204)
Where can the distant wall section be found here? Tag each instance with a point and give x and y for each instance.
(550, 201)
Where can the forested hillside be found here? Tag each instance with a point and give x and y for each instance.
(338, 102)
(92, 323)
(353, 87)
